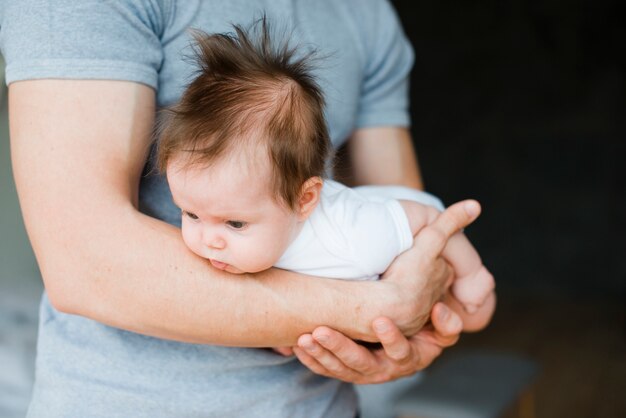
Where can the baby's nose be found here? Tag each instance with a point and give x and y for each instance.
(213, 240)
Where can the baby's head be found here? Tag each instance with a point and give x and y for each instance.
(245, 149)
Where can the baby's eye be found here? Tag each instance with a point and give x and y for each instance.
(236, 224)
(190, 215)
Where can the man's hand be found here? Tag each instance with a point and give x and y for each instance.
(330, 353)
(420, 276)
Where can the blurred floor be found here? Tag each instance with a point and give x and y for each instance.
(579, 343)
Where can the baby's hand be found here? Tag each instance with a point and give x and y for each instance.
(473, 290)
(476, 321)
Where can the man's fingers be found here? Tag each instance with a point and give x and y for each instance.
(447, 325)
(310, 362)
(433, 238)
(444, 332)
(324, 357)
(396, 346)
(351, 354)
(427, 347)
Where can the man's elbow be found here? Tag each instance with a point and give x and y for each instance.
(64, 295)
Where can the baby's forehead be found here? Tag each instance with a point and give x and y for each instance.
(231, 184)
(244, 161)
(246, 171)
(246, 155)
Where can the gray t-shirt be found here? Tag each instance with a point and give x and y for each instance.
(87, 369)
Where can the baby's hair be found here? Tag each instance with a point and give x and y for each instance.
(246, 85)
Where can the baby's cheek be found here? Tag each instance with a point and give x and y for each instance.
(191, 241)
(259, 259)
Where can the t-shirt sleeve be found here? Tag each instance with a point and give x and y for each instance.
(86, 39)
(376, 233)
(389, 59)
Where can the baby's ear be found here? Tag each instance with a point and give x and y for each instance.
(309, 197)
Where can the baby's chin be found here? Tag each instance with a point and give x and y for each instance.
(235, 270)
(225, 267)
(251, 270)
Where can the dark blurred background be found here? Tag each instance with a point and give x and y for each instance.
(522, 105)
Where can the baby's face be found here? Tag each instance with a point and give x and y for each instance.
(229, 215)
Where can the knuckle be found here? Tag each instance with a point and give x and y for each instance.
(335, 368)
(331, 344)
(366, 369)
(434, 234)
(400, 354)
(355, 361)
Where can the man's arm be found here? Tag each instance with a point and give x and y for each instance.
(382, 156)
(78, 148)
(473, 283)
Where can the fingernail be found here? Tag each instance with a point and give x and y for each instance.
(309, 346)
(381, 326)
(322, 338)
(456, 322)
(471, 208)
(444, 313)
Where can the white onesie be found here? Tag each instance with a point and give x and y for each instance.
(354, 233)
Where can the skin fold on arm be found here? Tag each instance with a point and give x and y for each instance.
(78, 149)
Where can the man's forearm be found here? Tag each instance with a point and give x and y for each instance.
(142, 278)
(384, 156)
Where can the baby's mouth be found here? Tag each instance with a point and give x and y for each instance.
(218, 264)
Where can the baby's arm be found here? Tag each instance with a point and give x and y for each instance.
(473, 283)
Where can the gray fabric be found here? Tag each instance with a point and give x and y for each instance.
(86, 369)
(470, 384)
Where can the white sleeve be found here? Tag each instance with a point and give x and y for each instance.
(381, 193)
(376, 233)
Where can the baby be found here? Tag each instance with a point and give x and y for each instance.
(246, 151)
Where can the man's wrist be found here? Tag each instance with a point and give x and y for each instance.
(413, 292)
